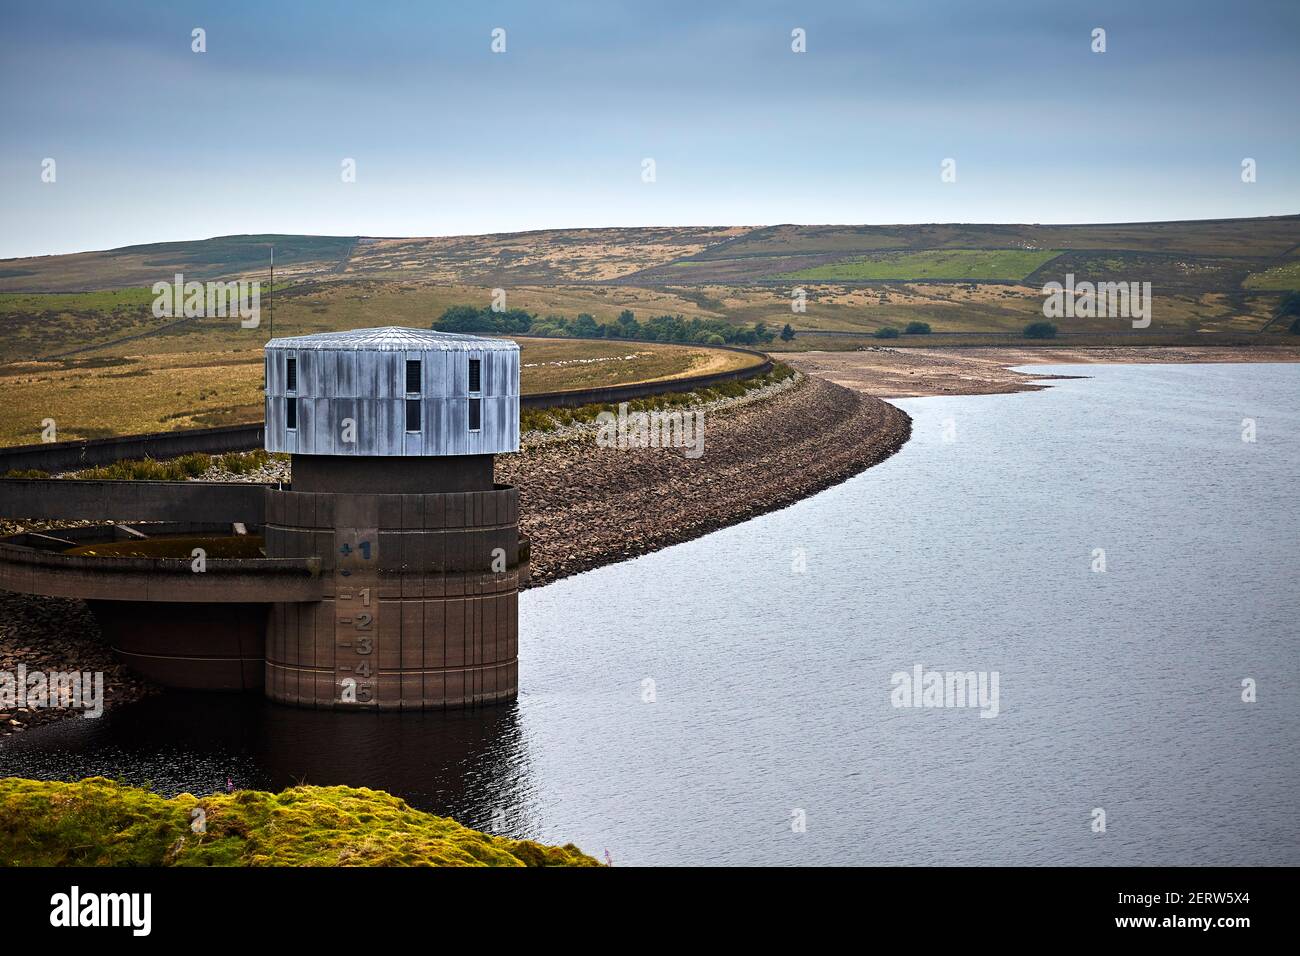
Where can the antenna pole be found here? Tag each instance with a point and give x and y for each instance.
(270, 294)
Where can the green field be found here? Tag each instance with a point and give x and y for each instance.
(1283, 278)
(957, 264)
(59, 302)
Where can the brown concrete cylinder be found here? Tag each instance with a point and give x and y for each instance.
(426, 618)
(192, 646)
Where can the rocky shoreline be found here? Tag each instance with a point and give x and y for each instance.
(582, 505)
(58, 634)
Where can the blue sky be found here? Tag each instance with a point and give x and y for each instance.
(154, 142)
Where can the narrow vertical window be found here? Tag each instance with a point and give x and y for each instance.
(475, 376)
(475, 414)
(291, 413)
(291, 375)
(412, 388)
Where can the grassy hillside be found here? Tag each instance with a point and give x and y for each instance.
(33, 325)
(553, 255)
(1207, 277)
(1265, 236)
(542, 257)
(203, 259)
(101, 823)
(964, 264)
(1283, 276)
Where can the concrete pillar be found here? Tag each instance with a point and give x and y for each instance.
(421, 599)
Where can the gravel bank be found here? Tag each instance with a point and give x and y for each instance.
(55, 634)
(585, 506)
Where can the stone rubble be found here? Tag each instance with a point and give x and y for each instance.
(58, 634)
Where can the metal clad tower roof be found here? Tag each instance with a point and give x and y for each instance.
(392, 392)
(394, 338)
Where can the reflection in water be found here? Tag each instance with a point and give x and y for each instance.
(970, 550)
(464, 764)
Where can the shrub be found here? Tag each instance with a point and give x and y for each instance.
(887, 332)
(472, 320)
(149, 469)
(1040, 330)
(917, 328)
(659, 328)
(242, 462)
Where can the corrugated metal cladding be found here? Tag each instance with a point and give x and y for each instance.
(363, 375)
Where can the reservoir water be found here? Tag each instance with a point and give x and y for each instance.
(730, 700)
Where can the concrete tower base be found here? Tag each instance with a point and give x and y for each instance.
(420, 605)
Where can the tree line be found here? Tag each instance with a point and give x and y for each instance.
(472, 320)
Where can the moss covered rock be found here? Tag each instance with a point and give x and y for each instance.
(101, 823)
